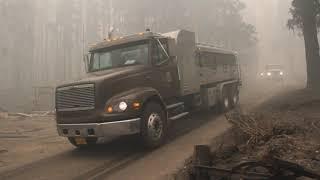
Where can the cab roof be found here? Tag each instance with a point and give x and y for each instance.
(148, 35)
(123, 40)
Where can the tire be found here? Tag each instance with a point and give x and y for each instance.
(234, 98)
(90, 142)
(225, 101)
(153, 125)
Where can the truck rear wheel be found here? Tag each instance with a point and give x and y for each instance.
(225, 101)
(90, 142)
(153, 125)
(234, 98)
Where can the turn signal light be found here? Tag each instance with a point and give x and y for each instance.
(136, 105)
(109, 109)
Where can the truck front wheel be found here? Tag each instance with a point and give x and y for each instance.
(153, 125)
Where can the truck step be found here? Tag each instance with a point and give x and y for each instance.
(178, 116)
(175, 105)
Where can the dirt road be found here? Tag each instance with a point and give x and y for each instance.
(116, 156)
(40, 154)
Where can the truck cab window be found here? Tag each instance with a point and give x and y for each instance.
(120, 56)
(158, 54)
(103, 61)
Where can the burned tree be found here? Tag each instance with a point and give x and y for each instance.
(305, 17)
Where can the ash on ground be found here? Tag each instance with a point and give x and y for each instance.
(286, 127)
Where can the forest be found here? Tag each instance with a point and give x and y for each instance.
(42, 42)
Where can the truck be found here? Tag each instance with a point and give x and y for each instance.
(140, 83)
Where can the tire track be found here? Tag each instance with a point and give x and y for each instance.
(107, 169)
(110, 167)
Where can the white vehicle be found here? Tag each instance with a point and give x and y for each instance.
(273, 72)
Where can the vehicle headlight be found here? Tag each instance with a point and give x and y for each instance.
(281, 73)
(117, 107)
(123, 106)
(269, 74)
(261, 74)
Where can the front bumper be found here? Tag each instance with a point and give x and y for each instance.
(118, 128)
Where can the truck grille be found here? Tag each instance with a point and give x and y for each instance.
(75, 98)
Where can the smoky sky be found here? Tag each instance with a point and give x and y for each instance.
(277, 44)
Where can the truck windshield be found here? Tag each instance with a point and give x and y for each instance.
(120, 56)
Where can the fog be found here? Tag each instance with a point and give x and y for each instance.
(277, 45)
(43, 41)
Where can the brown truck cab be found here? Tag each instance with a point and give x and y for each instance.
(137, 84)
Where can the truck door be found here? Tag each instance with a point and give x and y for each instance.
(165, 73)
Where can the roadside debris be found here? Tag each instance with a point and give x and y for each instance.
(272, 168)
(23, 115)
(288, 135)
(278, 140)
(33, 114)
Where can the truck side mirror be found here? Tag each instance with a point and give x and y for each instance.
(86, 60)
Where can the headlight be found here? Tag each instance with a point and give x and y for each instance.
(281, 73)
(269, 74)
(261, 74)
(117, 107)
(123, 106)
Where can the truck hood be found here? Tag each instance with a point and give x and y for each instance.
(110, 74)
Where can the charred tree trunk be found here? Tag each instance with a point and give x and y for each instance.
(312, 51)
(201, 157)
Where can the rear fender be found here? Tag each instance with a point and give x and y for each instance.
(225, 84)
